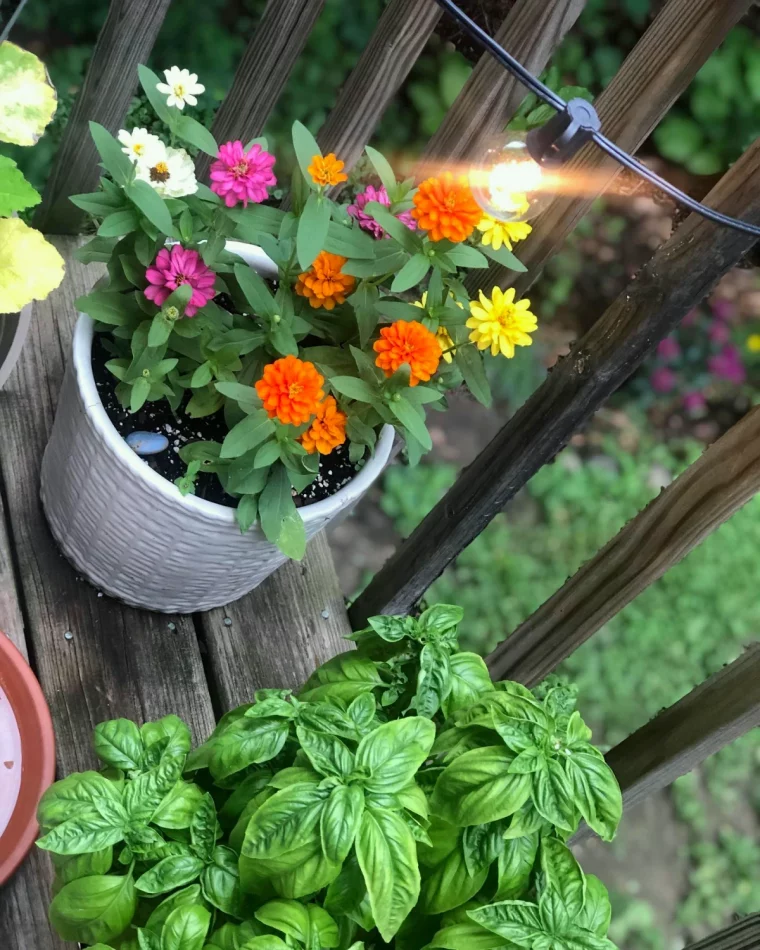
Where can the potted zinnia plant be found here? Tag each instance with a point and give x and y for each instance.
(238, 374)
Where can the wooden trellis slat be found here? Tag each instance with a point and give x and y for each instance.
(679, 275)
(658, 69)
(743, 934)
(399, 38)
(677, 740)
(126, 39)
(531, 32)
(263, 71)
(695, 504)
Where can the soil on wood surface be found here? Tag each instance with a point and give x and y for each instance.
(335, 469)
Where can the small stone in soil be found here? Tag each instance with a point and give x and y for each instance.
(147, 443)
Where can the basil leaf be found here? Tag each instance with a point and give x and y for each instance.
(433, 680)
(563, 874)
(340, 821)
(481, 845)
(177, 809)
(469, 680)
(247, 742)
(518, 921)
(554, 914)
(169, 874)
(94, 909)
(118, 744)
(574, 938)
(387, 855)
(188, 895)
(516, 863)
(220, 882)
(467, 936)
(245, 791)
(288, 916)
(451, 884)
(287, 820)
(595, 791)
(577, 730)
(527, 761)
(597, 911)
(144, 794)
(347, 893)
(70, 867)
(393, 752)
(327, 719)
(362, 710)
(327, 754)
(186, 928)
(477, 788)
(75, 795)
(203, 828)
(167, 738)
(552, 795)
(308, 874)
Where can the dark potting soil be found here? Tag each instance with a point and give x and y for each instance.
(335, 469)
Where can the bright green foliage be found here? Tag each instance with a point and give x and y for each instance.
(400, 793)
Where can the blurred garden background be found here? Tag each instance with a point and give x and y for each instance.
(688, 861)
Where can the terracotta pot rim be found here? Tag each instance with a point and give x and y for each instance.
(38, 754)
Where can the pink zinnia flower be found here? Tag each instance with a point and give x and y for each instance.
(176, 266)
(238, 175)
(668, 349)
(694, 401)
(371, 193)
(719, 332)
(728, 365)
(722, 309)
(663, 380)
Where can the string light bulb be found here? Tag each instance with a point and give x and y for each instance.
(514, 180)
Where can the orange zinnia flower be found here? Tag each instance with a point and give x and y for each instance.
(408, 342)
(327, 170)
(445, 208)
(291, 390)
(323, 283)
(327, 431)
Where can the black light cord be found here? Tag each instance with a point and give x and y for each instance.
(614, 151)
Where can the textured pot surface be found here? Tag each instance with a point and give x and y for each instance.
(130, 531)
(13, 330)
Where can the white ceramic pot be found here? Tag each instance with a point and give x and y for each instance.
(130, 531)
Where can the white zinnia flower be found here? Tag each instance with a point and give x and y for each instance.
(181, 86)
(140, 145)
(172, 173)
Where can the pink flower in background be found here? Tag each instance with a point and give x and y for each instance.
(728, 365)
(719, 332)
(723, 309)
(240, 176)
(691, 318)
(176, 266)
(668, 349)
(663, 380)
(694, 401)
(371, 193)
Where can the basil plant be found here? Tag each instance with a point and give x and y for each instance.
(401, 797)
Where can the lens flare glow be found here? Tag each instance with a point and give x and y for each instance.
(509, 184)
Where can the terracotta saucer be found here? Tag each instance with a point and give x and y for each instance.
(27, 756)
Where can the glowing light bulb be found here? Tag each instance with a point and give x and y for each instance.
(508, 184)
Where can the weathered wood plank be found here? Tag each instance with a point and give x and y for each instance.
(695, 504)
(401, 33)
(120, 662)
(531, 32)
(678, 739)
(659, 68)
(263, 71)
(126, 39)
(743, 934)
(280, 632)
(24, 900)
(679, 275)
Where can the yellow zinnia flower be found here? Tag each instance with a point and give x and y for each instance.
(442, 334)
(501, 323)
(495, 233)
(753, 343)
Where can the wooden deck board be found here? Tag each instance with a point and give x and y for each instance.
(121, 661)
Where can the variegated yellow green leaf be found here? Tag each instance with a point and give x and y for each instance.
(27, 97)
(30, 267)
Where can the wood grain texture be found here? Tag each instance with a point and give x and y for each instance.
(276, 635)
(11, 619)
(743, 934)
(679, 275)
(694, 505)
(531, 32)
(263, 71)
(126, 39)
(721, 709)
(401, 33)
(658, 69)
(24, 900)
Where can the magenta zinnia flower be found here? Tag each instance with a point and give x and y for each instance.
(176, 266)
(668, 349)
(728, 365)
(371, 193)
(238, 175)
(663, 380)
(694, 401)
